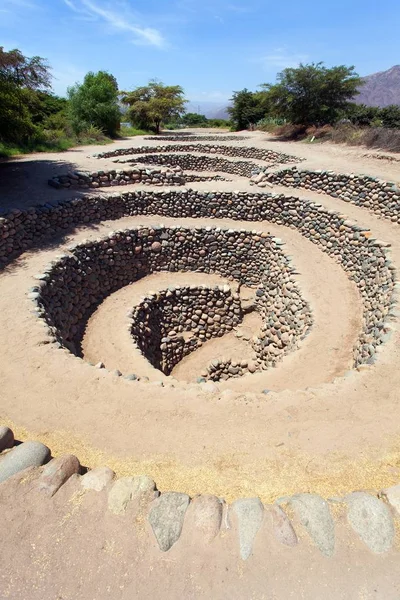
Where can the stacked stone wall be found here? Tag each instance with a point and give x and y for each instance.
(363, 258)
(112, 177)
(235, 151)
(70, 290)
(380, 197)
(199, 162)
(198, 138)
(173, 323)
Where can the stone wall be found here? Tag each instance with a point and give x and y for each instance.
(171, 324)
(241, 151)
(197, 138)
(363, 258)
(199, 162)
(73, 287)
(380, 197)
(99, 179)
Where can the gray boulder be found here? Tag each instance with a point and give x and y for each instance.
(28, 454)
(166, 518)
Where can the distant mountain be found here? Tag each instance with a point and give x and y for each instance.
(381, 89)
(212, 110)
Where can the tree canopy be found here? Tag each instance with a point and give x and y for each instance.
(154, 104)
(312, 94)
(21, 78)
(247, 108)
(95, 102)
(194, 120)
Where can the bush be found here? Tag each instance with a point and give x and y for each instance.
(95, 103)
(128, 131)
(290, 131)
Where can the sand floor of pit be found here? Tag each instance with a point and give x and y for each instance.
(321, 437)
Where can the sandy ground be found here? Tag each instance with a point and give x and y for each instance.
(71, 547)
(23, 180)
(320, 429)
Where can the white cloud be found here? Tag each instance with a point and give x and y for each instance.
(280, 58)
(122, 19)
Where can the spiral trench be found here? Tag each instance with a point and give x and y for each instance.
(319, 416)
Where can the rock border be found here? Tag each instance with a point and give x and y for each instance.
(370, 515)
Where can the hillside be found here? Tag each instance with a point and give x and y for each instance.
(381, 89)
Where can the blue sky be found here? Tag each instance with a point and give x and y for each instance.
(210, 47)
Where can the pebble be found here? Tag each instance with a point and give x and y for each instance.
(392, 495)
(282, 527)
(205, 515)
(126, 488)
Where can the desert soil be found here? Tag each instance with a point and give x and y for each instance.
(321, 428)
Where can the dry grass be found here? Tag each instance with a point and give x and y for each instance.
(370, 137)
(225, 477)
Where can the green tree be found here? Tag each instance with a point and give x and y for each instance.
(194, 120)
(247, 108)
(312, 94)
(21, 80)
(390, 116)
(154, 104)
(95, 102)
(361, 114)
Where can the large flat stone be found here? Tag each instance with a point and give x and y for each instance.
(205, 515)
(314, 514)
(282, 527)
(28, 454)
(250, 514)
(6, 438)
(166, 518)
(371, 520)
(57, 472)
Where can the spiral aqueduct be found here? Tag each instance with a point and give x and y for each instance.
(207, 319)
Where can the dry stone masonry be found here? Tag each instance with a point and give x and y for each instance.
(135, 175)
(199, 162)
(99, 179)
(364, 258)
(171, 324)
(198, 138)
(380, 197)
(241, 151)
(70, 290)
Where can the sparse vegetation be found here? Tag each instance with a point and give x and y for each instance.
(311, 103)
(154, 104)
(95, 103)
(314, 103)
